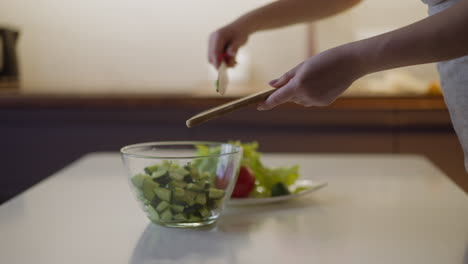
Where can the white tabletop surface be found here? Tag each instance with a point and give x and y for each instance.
(376, 209)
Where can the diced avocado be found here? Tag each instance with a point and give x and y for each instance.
(152, 214)
(190, 196)
(200, 199)
(163, 193)
(180, 184)
(194, 218)
(177, 208)
(148, 187)
(138, 179)
(142, 198)
(179, 217)
(279, 189)
(214, 193)
(166, 215)
(162, 206)
(204, 212)
(179, 191)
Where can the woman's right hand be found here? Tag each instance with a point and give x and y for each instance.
(228, 40)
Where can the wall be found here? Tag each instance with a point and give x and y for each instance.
(142, 45)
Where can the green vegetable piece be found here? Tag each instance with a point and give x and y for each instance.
(150, 169)
(176, 176)
(214, 193)
(301, 189)
(179, 191)
(177, 208)
(279, 189)
(194, 187)
(180, 184)
(152, 214)
(148, 187)
(138, 179)
(159, 172)
(213, 204)
(163, 193)
(180, 217)
(192, 209)
(162, 206)
(194, 218)
(204, 212)
(166, 215)
(200, 199)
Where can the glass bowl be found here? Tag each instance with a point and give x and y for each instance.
(182, 183)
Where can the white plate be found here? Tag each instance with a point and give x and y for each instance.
(312, 186)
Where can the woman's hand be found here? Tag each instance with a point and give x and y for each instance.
(317, 81)
(226, 40)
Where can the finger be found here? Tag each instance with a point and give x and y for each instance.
(282, 95)
(216, 48)
(284, 79)
(231, 52)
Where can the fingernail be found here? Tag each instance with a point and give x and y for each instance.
(272, 82)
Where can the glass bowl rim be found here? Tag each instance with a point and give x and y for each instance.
(126, 149)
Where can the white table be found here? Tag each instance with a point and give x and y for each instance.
(376, 209)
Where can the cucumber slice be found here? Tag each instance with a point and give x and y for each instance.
(200, 199)
(204, 212)
(163, 193)
(177, 208)
(162, 206)
(138, 179)
(152, 214)
(214, 193)
(166, 215)
(159, 172)
(162, 179)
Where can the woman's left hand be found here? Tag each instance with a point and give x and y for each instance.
(317, 81)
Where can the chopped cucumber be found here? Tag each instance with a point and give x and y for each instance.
(179, 191)
(138, 179)
(201, 199)
(194, 218)
(195, 187)
(162, 206)
(166, 215)
(204, 212)
(171, 192)
(180, 184)
(163, 193)
(214, 193)
(180, 217)
(177, 208)
(152, 214)
(148, 187)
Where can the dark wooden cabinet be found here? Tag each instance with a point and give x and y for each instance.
(41, 134)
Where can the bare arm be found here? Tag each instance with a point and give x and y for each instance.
(274, 15)
(440, 37)
(319, 80)
(288, 12)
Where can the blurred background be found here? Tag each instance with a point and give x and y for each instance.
(84, 76)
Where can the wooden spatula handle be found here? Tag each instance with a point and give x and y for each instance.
(228, 107)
